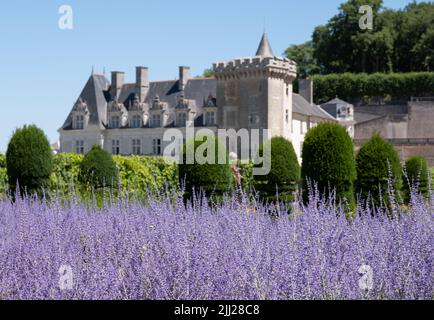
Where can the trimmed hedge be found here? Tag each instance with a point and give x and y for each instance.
(373, 162)
(211, 178)
(417, 173)
(328, 160)
(282, 181)
(29, 160)
(351, 86)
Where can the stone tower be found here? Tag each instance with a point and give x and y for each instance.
(256, 92)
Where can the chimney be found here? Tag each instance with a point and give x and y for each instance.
(118, 79)
(305, 89)
(184, 76)
(142, 82)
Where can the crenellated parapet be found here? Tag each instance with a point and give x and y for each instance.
(272, 67)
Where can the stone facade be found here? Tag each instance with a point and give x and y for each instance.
(409, 127)
(247, 93)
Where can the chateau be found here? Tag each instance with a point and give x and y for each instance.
(252, 93)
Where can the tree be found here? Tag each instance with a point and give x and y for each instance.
(98, 169)
(29, 160)
(282, 181)
(342, 46)
(208, 73)
(400, 41)
(377, 162)
(417, 174)
(328, 160)
(303, 55)
(210, 176)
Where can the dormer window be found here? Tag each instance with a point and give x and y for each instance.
(210, 111)
(79, 122)
(136, 122)
(115, 122)
(181, 119)
(210, 118)
(156, 121)
(80, 115)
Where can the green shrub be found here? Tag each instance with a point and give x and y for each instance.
(137, 174)
(352, 86)
(65, 172)
(417, 172)
(3, 175)
(282, 181)
(247, 178)
(373, 161)
(29, 160)
(211, 177)
(97, 169)
(328, 160)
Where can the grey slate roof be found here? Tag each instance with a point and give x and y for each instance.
(301, 106)
(94, 94)
(264, 48)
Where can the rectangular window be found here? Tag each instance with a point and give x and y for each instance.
(79, 146)
(116, 147)
(136, 122)
(156, 146)
(137, 146)
(181, 119)
(287, 116)
(156, 121)
(115, 122)
(210, 118)
(79, 122)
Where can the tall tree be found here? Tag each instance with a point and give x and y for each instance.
(342, 46)
(303, 55)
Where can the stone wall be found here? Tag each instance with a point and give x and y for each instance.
(421, 119)
(408, 148)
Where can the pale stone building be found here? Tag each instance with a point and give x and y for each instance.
(247, 93)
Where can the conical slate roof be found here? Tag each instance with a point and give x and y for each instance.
(264, 49)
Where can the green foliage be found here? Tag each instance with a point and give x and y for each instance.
(208, 73)
(65, 171)
(3, 175)
(351, 86)
(211, 177)
(400, 41)
(375, 162)
(247, 178)
(140, 175)
(97, 169)
(328, 160)
(417, 173)
(29, 160)
(303, 55)
(284, 176)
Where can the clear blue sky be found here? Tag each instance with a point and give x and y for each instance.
(43, 68)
